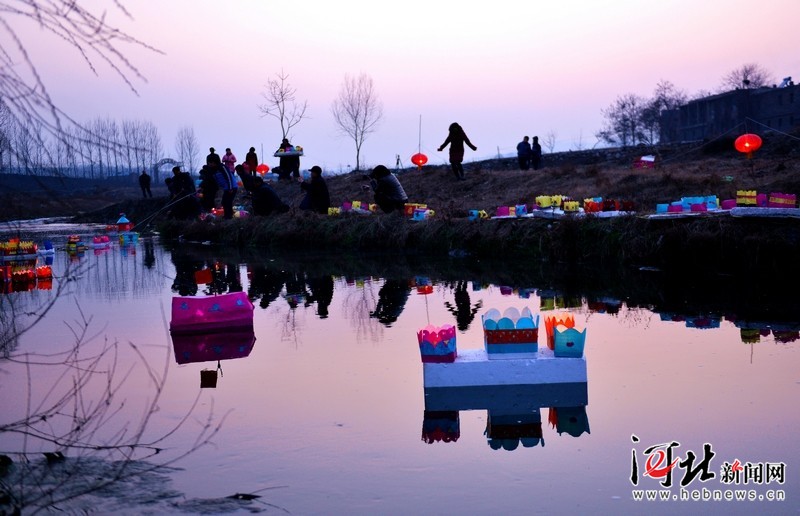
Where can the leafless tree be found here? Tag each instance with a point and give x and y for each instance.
(549, 141)
(747, 76)
(357, 110)
(578, 141)
(84, 28)
(187, 148)
(623, 121)
(281, 103)
(665, 97)
(80, 416)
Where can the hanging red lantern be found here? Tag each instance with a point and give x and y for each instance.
(419, 159)
(748, 144)
(262, 168)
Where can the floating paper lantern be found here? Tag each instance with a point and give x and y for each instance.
(748, 144)
(262, 168)
(419, 159)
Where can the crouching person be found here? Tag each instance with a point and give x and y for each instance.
(265, 200)
(389, 193)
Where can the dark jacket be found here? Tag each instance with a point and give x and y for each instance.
(213, 159)
(266, 201)
(252, 161)
(388, 187)
(317, 197)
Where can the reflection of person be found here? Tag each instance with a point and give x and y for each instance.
(149, 253)
(144, 184)
(463, 309)
(184, 283)
(317, 198)
(389, 193)
(536, 153)
(265, 285)
(225, 278)
(457, 138)
(265, 200)
(524, 154)
(392, 298)
(321, 291)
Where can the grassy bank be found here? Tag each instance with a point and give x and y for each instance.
(719, 244)
(715, 244)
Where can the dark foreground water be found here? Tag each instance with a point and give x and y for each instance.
(326, 411)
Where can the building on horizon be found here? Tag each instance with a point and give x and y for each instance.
(776, 107)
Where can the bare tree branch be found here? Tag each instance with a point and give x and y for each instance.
(357, 110)
(281, 103)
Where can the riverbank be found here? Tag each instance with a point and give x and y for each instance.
(717, 244)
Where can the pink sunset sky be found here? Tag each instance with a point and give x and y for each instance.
(501, 69)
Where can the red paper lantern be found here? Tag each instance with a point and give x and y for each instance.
(262, 168)
(748, 143)
(419, 159)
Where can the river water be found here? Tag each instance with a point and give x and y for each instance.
(327, 412)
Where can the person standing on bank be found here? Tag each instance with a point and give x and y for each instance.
(524, 154)
(213, 159)
(229, 160)
(252, 161)
(144, 183)
(457, 138)
(227, 183)
(317, 198)
(536, 153)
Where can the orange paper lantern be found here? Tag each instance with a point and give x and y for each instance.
(748, 143)
(262, 168)
(419, 159)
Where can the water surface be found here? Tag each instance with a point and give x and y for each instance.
(325, 413)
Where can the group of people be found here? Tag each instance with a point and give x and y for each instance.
(219, 174)
(529, 154)
(223, 174)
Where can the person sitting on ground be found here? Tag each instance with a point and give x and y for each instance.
(265, 200)
(389, 193)
(317, 197)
